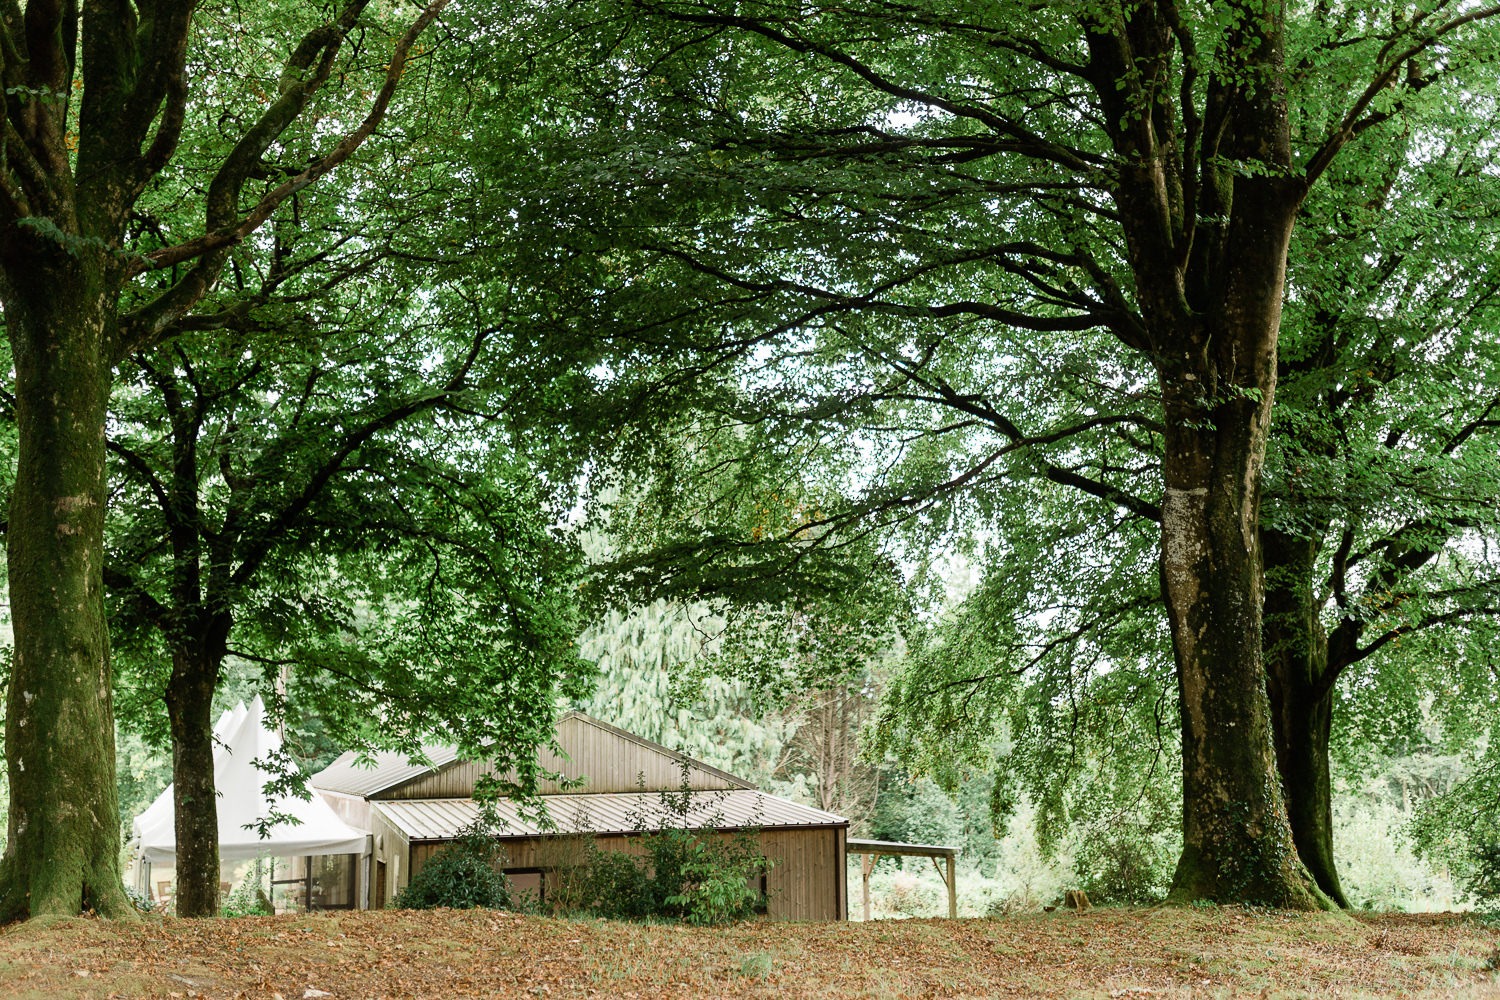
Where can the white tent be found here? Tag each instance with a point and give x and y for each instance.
(242, 738)
(159, 812)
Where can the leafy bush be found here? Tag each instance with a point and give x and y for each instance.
(140, 900)
(689, 872)
(705, 880)
(463, 875)
(909, 897)
(247, 900)
(1123, 865)
(617, 886)
(698, 879)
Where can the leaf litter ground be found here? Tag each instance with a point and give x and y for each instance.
(1163, 952)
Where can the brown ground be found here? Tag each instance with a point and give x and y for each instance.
(452, 954)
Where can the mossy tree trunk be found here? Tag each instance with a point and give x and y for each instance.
(96, 101)
(1297, 679)
(1207, 242)
(1237, 845)
(63, 836)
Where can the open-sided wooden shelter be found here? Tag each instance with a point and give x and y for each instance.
(412, 810)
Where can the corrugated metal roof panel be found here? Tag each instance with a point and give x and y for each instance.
(444, 819)
(388, 770)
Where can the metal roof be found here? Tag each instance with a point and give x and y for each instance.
(606, 813)
(389, 769)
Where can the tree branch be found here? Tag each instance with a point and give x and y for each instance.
(1032, 145)
(269, 533)
(225, 226)
(1350, 125)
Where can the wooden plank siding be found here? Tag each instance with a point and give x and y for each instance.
(807, 881)
(392, 848)
(610, 759)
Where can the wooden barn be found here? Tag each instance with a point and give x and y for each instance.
(412, 810)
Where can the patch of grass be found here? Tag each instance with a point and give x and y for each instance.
(756, 965)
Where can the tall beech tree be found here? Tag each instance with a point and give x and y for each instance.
(96, 104)
(326, 472)
(1119, 167)
(1381, 492)
(1381, 476)
(363, 515)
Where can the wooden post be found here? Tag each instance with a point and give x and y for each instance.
(868, 866)
(952, 881)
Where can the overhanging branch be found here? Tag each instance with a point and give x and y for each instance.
(151, 322)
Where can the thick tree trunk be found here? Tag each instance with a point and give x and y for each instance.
(63, 846)
(195, 676)
(1296, 654)
(1237, 845)
(1217, 389)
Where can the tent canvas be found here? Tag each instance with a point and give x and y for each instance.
(242, 738)
(160, 810)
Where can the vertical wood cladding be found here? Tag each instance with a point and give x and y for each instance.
(391, 848)
(609, 759)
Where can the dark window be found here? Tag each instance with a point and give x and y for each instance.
(528, 881)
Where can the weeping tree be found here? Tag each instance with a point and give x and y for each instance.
(917, 204)
(102, 109)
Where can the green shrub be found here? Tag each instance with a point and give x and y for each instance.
(705, 880)
(463, 875)
(1123, 866)
(617, 886)
(697, 879)
(140, 900)
(1483, 882)
(247, 900)
(689, 872)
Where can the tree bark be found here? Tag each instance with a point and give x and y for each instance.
(1237, 844)
(190, 695)
(1298, 680)
(63, 846)
(1210, 271)
(95, 110)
